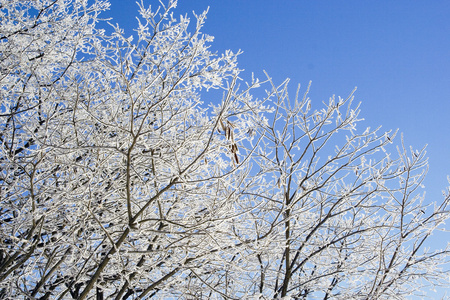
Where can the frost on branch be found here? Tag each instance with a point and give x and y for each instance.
(118, 182)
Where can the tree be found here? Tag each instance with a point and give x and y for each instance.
(118, 182)
(350, 226)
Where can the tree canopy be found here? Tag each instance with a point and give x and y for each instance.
(117, 181)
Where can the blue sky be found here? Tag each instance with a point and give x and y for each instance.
(396, 52)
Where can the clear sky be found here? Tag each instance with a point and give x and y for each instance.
(396, 52)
